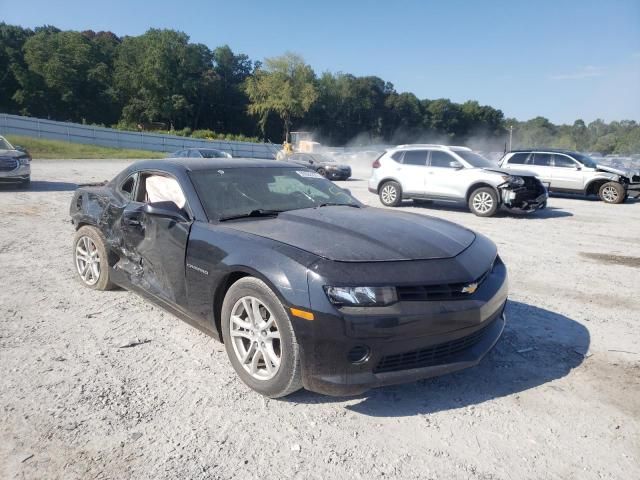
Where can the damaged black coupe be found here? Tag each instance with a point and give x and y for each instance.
(306, 286)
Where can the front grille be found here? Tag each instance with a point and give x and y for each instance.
(8, 164)
(428, 357)
(444, 291)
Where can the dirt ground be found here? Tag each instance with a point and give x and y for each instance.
(558, 398)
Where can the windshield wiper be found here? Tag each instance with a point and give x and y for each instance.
(260, 212)
(331, 204)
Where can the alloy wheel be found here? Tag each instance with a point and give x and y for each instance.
(482, 202)
(610, 194)
(256, 338)
(87, 260)
(389, 194)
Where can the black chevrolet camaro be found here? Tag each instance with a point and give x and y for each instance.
(306, 286)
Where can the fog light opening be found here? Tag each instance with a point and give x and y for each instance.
(359, 354)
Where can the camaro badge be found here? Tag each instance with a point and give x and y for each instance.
(472, 287)
(197, 269)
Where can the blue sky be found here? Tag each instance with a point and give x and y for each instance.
(561, 59)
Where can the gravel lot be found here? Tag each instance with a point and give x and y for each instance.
(559, 397)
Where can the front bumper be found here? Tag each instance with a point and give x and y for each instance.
(19, 174)
(633, 189)
(341, 381)
(524, 199)
(401, 343)
(338, 174)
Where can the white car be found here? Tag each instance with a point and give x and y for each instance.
(455, 175)
(565, 171)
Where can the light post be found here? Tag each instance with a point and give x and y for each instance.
(510, 136)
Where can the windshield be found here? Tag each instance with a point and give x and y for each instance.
(239, 191)
(476, 160)
(212, 154)
(5, 145)
(585, 160)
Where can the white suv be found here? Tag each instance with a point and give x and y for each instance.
(566, 171)
(453, 174)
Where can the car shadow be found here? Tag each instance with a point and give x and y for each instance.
(537, 347)
(548, 212)
(587, 198)
(40, 186)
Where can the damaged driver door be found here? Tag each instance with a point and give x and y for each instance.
(155, 230)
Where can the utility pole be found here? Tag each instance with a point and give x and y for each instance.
(510, 136)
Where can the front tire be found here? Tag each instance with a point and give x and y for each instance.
(390, 194)
(322, 172)
(259, 339)
(91, 258)
(483, 202)
(612, 192)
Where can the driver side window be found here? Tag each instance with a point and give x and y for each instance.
(155, 187)
(442, 160)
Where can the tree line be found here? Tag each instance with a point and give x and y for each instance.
(161, 78)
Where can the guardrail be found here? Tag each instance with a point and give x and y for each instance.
(110, 137)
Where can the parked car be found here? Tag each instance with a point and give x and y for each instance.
(15, 164)
(573, 172)
(306, 286)
(199, 153)
(456, 175)
(324, 165)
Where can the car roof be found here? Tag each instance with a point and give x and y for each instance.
(195, 164)
(422, 146)
(550, 150)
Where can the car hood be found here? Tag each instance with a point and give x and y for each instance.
(511, 171)
(366, 234)
(618, 171)
(11, 153)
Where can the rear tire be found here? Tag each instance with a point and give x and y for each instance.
(91, 258)
(245, 338)
(612, 192)
(390, 194)
(483, 202)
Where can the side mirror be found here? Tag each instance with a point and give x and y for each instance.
(578, 167)
(165, 210)
(311, 162)
(456, 165)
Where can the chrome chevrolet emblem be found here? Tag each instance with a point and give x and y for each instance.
(472, 287)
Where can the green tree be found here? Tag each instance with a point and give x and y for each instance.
(158, 76)
(12, 40)
(284, 86)
(66, 76)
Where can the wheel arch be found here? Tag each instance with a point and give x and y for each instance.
(235, 274)
(593, 187)
(387, 179)
(474, 186)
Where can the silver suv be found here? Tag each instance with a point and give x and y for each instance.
(453, 174)
(15, 164)
(572, 172)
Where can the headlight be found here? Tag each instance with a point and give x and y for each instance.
(361, 296)
(515, 181)
(23, 160)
